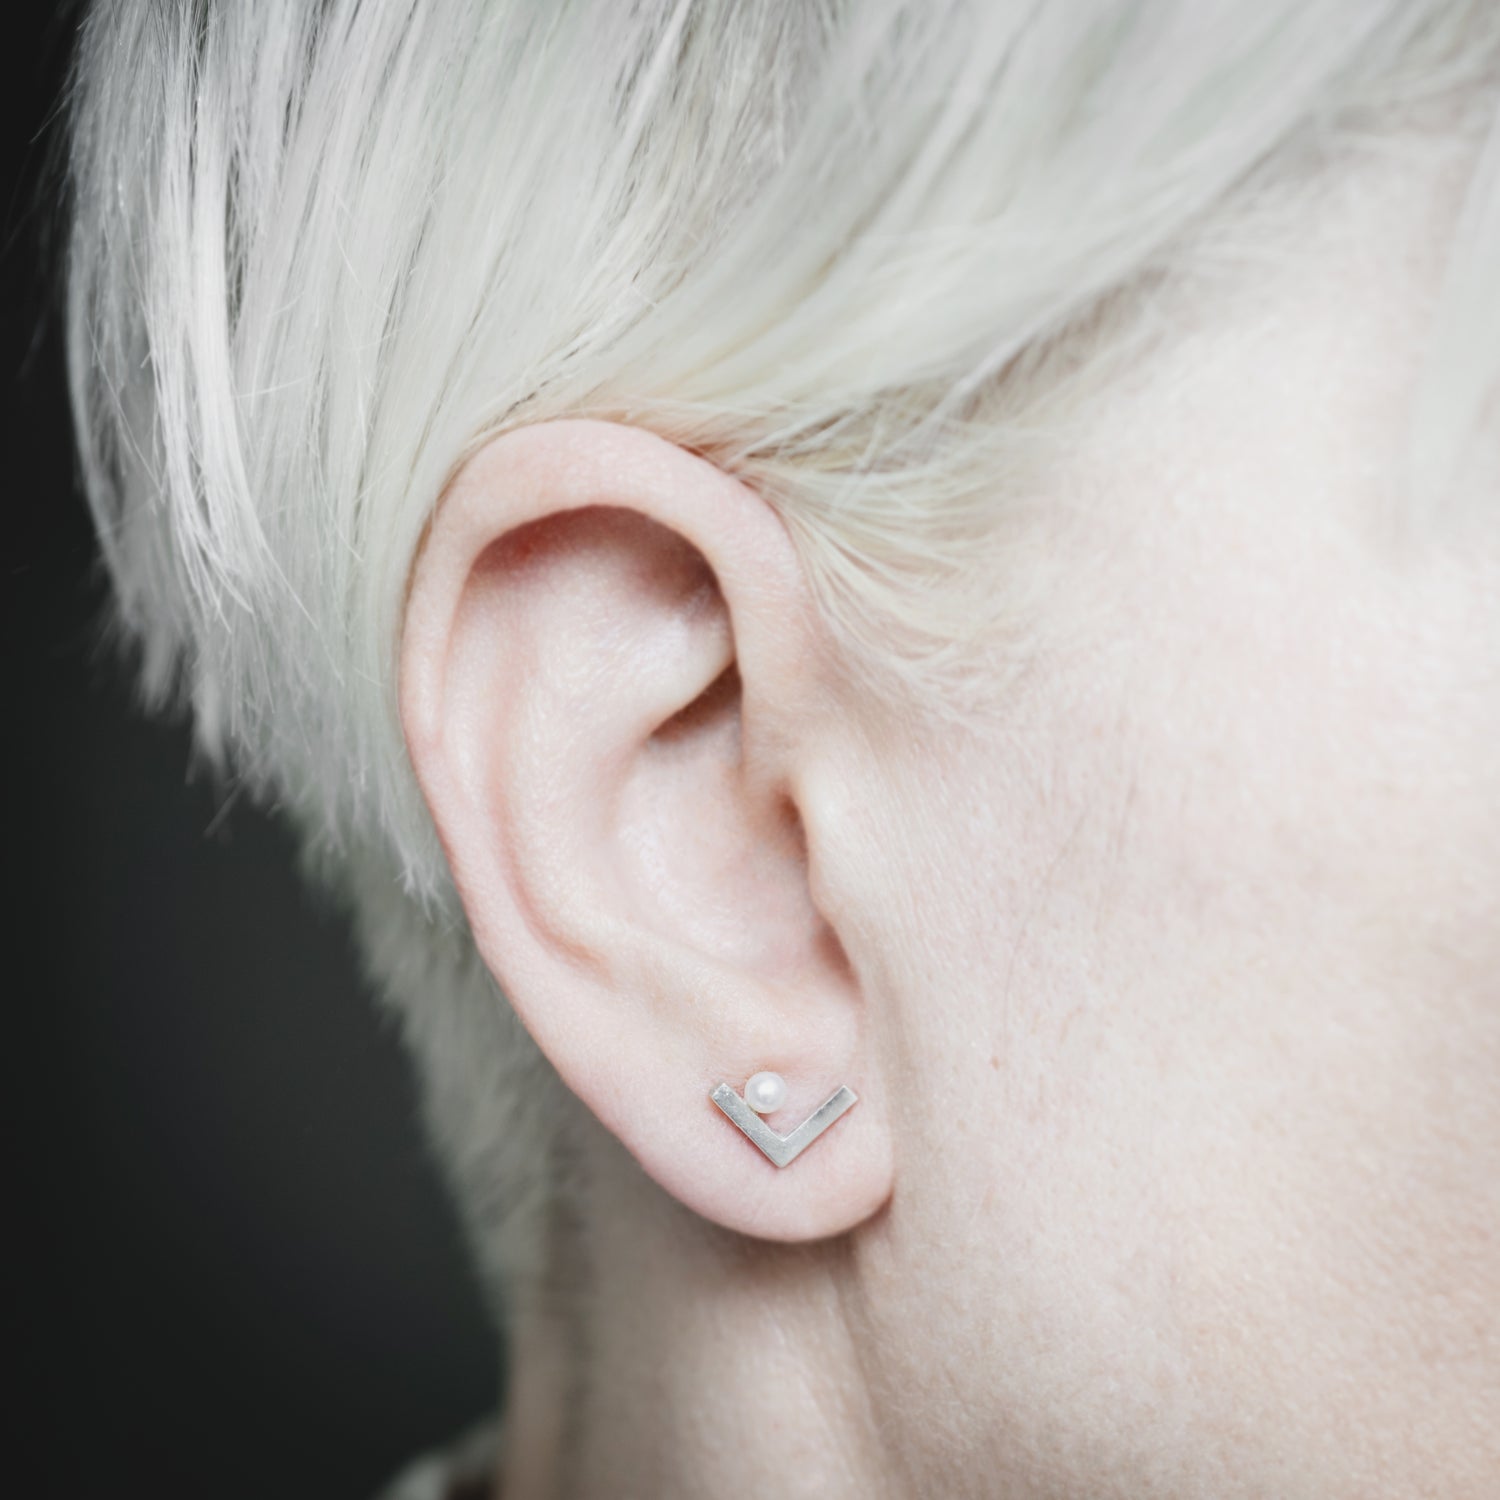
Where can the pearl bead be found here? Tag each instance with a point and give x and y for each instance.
(765, 1093)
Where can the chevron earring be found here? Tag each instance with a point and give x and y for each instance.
(765, 1093)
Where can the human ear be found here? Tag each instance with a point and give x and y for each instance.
(617, 697)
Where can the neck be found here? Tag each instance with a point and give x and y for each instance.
(693, 1362)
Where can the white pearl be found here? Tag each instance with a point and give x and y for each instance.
(765, 1093)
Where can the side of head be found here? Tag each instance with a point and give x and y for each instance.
(870, 542)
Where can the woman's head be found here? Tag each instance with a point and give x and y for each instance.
(932, 547)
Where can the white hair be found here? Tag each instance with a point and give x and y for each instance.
(322, 251)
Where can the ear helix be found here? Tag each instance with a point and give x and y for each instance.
(764, 1094)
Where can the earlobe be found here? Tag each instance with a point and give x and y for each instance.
(612, 677)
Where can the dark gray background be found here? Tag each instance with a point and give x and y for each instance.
(231, 1269)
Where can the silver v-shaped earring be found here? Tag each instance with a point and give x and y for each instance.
(765, 1093)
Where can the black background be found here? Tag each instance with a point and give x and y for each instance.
(230, 1269)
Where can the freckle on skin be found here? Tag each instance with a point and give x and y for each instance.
(995, 1063)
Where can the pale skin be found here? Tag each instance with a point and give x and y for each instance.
(1171, 987)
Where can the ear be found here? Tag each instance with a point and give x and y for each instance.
(615, 689)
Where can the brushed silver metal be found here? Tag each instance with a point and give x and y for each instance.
(782, 1150)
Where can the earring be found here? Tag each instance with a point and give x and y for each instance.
(766, 1093)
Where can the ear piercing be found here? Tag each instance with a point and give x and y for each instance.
(765, 1093)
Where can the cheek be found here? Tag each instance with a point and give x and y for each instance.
(1301, 938)
(1209, 947)
(1300, 925)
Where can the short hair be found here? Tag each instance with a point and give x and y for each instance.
(868, 255)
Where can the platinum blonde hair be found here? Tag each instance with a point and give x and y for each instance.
(867, 254)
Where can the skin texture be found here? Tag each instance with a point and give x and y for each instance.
(1169, 983)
